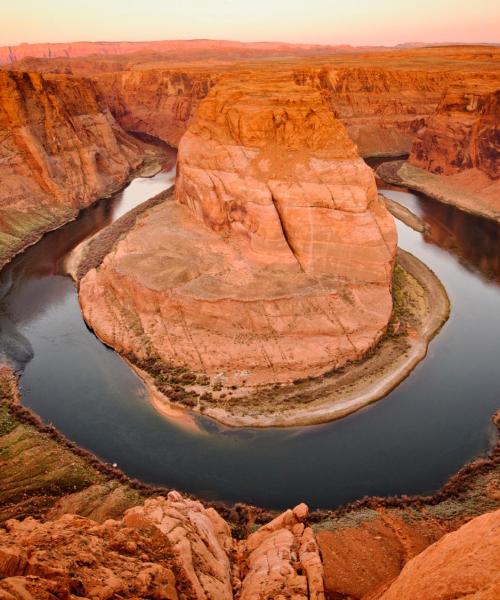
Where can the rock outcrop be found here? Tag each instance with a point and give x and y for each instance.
(156, 101)
(169, 548)
(456, 156)
(462, 564)
(461, 141)
(276, 260)
(60, 150)
(381, 107)
(463, 133)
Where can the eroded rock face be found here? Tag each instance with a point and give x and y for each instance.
(155, 101)
(462, 564)
(61, 150)
(169, 548)
(382, 108)
(276, 260)
(456, 157)
(463, 133)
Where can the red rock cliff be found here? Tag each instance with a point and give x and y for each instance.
(61, 150)
(463, 133)
(381, 107)
(156, 101)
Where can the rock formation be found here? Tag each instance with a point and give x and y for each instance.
(61, 150)
(156, 101)
(461, 140)
(383, 98)
(276, 260)
(381, 107)
(456, 156)
(462, 564)
(169, 548)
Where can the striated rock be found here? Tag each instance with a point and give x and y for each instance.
(169, 548)
(276, 261)
(381, 107)
(462, 564)
(461, 143)
(282, 560)
(61, 150)
(456, 156)
(176, 94)
(200, 539)
(463, 133)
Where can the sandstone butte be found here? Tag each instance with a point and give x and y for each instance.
(274, 262)
(60, 150)
(174, 548)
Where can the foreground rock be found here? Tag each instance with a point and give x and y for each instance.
(463, 564)
(61, 150)
(168, 548)
(276, 260)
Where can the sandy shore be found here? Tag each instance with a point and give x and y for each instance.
(423, 309)
(405, 215)
(400, 172)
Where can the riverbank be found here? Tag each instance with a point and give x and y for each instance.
(441, 188)
(405, 215)
(43, 474)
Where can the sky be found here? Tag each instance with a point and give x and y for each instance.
(356, 22)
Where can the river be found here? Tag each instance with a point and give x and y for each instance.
(409, 442)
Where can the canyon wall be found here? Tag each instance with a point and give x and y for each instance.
(276, 260)
(382, 108)
(156, 101)
(456, 156)
(61, 150)
(462, 138)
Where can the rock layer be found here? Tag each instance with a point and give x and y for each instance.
(276, 260)
(61, 150)
(156, 101)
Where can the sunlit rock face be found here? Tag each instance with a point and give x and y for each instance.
(461, 564)
(61, 150)
(274, 262)
(461, 141)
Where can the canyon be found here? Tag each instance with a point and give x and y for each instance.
(272, 263)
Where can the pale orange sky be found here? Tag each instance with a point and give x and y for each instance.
(357, 22)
